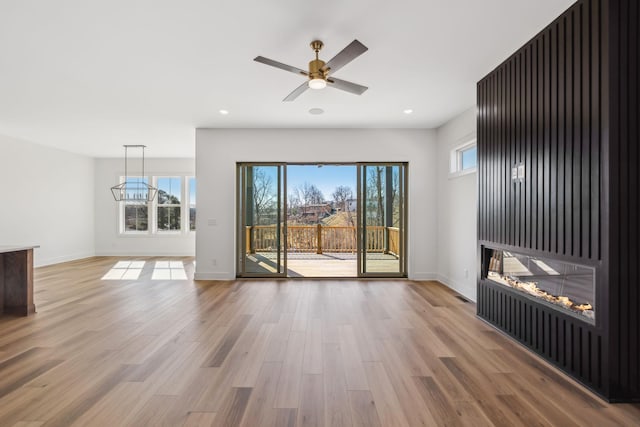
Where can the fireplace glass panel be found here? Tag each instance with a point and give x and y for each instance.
(569, 286)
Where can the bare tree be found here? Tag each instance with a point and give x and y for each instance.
(263, 195)
(310, 194)
(375, 196)
(294, 203)
(395, 199)
(380, 195)
(301, 198)
(342, 196)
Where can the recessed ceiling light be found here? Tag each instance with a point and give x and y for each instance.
(408, 111)
(316, 111)
(224, 112)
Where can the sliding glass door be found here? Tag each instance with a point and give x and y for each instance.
(380, 227)
(382, 219)
(262, 227)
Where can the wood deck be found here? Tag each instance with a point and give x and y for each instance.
(322, 265)
(155, 351)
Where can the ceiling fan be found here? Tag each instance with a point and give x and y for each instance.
(320, 73)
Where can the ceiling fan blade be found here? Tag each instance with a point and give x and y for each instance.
(280, 65)
(356, 89)
(297, 92)
(346, 55)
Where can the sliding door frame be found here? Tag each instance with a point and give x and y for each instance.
(241, 219)
(361, 235)
(241, 222)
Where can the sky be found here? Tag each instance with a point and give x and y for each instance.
(326, 178)
(192, 191)
(170, 186)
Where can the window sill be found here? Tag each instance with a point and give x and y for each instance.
(454, 175)
(156, 235)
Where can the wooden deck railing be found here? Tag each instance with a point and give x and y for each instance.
(319, 239)
(394, 240)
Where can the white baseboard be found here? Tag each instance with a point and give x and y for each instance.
(213, 276)
(421, 275)
(143, 253)
(42, 262)
(469, 292)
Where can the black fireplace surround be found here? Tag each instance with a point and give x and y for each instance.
(558, 196)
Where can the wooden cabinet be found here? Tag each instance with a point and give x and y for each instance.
(16, 280)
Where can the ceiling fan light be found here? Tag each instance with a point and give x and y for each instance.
(317, 83)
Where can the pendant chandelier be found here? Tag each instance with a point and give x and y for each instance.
(134, 189)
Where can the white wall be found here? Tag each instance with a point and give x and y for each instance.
(218, 150)
(109, 241)
(61, 201)
(457, 210)
(47, 200)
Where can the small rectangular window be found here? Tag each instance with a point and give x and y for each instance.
(469, 158)
(464, 159)
(169, 204)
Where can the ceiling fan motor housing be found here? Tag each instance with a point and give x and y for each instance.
(315, 69)
(315, 66)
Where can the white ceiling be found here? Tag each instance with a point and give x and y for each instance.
(88, 76)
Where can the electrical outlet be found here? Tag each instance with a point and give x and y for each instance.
(466, 273)
(214, 262)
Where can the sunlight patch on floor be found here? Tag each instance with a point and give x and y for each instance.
(169, 270)
(125, 270)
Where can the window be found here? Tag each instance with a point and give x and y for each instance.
(169, 207)
(172, 212)
(192, 204)
(469, 157)
(136, 217)
(136, 212)
(464, 159)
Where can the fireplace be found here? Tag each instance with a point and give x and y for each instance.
(566, 286)
(551, 304)
(558, 179)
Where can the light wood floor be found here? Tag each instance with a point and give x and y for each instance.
(276, 353)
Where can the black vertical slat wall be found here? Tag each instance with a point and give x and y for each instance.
(553, 122)
(623, 227)
(566, 106)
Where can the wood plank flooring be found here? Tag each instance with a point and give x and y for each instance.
(153, 351)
